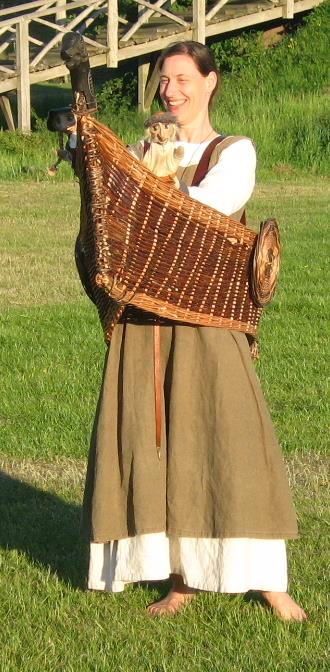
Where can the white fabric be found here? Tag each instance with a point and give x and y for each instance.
(73, 140)
(217, 565)
(230, 183)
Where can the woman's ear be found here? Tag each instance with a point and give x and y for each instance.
(212, 79)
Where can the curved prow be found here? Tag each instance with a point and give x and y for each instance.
(75, 56)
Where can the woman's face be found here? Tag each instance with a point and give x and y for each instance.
(184, 90)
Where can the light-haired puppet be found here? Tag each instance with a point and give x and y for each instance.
(161, 156)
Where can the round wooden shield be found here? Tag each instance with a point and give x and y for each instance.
(265, 263)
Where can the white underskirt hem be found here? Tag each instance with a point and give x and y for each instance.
(215, 565)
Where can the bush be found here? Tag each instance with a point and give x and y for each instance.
(278, 95)
(299, 63)
(118, 94)
(233, 55)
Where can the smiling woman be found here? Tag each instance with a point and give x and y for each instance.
(212, 506)
(188, 83)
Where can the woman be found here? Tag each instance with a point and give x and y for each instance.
(213, 508)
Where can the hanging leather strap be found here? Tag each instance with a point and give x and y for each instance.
(146, 145)
(158, 388)
(203, 167)
(243, 219)
(204, 161)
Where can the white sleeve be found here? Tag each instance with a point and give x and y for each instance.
(73, 140)
(230, 183)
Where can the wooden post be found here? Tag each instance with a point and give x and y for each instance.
(112, 34)
(5, 106)
(23, 75)
(288, 9)
(199, 21)
(151, 88)
(143, 71)
(60, 10)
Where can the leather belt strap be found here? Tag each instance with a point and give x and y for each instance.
(158, 388)
(204, 161)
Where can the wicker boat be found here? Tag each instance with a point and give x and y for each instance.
(152, 246)
(145, 243)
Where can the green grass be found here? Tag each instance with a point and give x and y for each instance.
(53, 345)
(50, 624)
(291, 131)
(51, 365)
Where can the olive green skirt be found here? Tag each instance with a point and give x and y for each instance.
(220, 473)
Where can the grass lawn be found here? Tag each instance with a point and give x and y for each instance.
(51, 365)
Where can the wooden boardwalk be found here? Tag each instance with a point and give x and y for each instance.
(31, 33)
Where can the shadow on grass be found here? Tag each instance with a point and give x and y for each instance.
(44, 527)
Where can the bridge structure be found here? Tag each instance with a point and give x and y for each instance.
(31, 33)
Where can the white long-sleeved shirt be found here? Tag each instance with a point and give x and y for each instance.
(230, 183)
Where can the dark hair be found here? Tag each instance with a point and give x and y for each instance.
(200, 54)
(60, 120)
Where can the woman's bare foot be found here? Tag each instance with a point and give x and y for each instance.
(176, 599)
(284, 606)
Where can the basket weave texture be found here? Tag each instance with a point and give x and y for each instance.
(148, 244)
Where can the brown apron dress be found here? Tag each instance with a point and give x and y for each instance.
(220, 472)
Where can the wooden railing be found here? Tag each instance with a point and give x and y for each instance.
(55, 15)
(90, 12)
(60, 16)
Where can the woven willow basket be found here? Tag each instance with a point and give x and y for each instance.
(145, 243)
